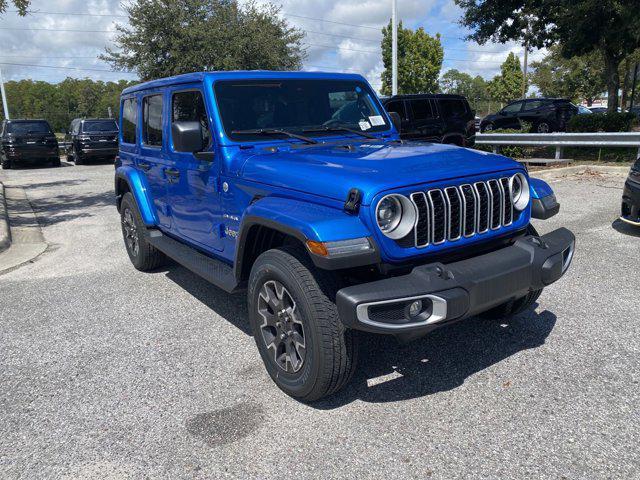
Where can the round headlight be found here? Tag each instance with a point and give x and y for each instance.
(395, 215)
(519, 187)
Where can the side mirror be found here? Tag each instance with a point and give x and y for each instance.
(396, 120)
(187, 137)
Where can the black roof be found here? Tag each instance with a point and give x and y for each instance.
(418, 96)
(11, 120)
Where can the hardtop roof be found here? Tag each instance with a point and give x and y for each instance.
(239, 75)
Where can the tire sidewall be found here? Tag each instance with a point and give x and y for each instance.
(297, 384)
(128, 203)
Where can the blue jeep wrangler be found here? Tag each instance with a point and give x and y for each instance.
(297, 188)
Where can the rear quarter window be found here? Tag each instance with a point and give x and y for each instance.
(452, 107)
(129, 120)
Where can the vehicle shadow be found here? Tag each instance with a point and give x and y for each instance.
(232, 308)
(625, 228)
(441, 361)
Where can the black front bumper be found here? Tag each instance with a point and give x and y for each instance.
(631, 201)
(457, 290)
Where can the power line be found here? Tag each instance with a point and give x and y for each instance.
(65, 68)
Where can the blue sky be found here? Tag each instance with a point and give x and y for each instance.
(341, 35)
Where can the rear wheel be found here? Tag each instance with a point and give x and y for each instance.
(488, 127)
(6, 164)
(142, 254)
(305, 347)
(518, 305)
(542, 127)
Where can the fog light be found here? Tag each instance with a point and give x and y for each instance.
(415, 308)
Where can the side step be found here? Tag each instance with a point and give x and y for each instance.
(212, 270)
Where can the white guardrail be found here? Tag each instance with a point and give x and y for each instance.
(560, 140)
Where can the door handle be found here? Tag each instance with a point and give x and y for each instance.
(172, 172)
(144, 166)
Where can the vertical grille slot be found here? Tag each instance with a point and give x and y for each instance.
(455, 212)
(496, 204)
(438, 216)
(508, 206)
(470, 210)
(483, 207)
(423, 224)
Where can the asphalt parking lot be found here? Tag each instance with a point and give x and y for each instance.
(106, 372)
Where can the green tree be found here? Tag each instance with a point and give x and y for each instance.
(581, 27)
(170, 37)
(507, 85)
(21, 6)
(419, 60)
(460, 83)
(577, 78)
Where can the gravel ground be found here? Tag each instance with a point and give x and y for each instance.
(106, 372)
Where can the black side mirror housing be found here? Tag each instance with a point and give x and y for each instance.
(397, 121)
(187, 136)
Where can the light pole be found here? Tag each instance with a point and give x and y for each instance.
(394, 47)
(4, 97)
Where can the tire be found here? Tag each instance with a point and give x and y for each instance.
(143, 255)
(488, 127)
(329, 352)
(55, 162)
(77, 158)
(543, 127)
(6, 164)
(518, 305)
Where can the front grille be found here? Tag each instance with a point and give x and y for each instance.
(461, 211)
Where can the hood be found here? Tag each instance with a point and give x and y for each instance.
(332, 170)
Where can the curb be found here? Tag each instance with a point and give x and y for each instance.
(558, 172)
(5, 233)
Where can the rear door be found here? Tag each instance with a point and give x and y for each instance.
(426, 123)
(193, 194)
(509, 116)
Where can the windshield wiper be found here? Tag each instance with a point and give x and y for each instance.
(336, 128)
(274, 131)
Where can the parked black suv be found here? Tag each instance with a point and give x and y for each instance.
(434, 118)
(544, 114)
(92, 138)
(27, 141)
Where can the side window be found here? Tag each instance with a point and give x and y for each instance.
(421, 109)
(532, 105)
(398, 107)
(152, 120)
(513, 108)
(129, 120)
(189, 106)
(451, 107)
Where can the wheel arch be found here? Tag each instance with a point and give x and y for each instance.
(128, 179)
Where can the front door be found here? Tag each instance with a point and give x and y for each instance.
(193, 194)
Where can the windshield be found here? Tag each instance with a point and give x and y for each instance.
(297, 106)
(100, 126)
(24, 128)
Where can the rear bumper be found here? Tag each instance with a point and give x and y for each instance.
(99, 152)
(31, 154)
(458, 290)
(631, 203)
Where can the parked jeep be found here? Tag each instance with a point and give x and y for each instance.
(436, 118)
(92, 138)
(297, 188)
(28, 142)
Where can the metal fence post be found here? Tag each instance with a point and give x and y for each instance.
(558, 152)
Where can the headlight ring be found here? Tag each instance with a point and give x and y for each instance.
(395, 216)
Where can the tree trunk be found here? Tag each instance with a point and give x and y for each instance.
(625, 83)
(613, 80)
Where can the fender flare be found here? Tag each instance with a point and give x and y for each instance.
(306, 221)
(544, 204)
(139, 189)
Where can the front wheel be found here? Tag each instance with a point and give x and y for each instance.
(305, 347)
(488, 127)
(6, 164)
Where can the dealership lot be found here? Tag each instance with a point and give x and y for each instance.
(106, 372)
